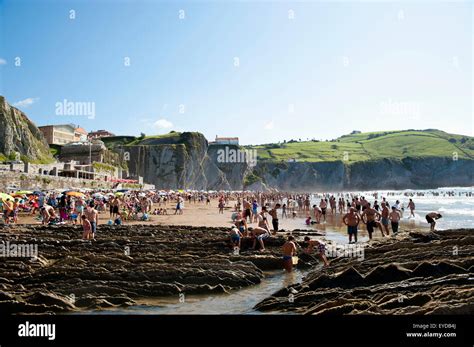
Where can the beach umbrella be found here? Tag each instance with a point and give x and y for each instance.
(75, 194)
(24, 192)
(37, 192)
(118, 193)
(4, 196)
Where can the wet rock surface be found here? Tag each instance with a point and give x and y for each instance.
(414, 273)
(124, 264)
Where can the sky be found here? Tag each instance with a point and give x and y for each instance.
(260, 70)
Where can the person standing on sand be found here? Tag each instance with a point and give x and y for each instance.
(273, 212)
(385, 217)
(411, 206)
(371, 220)
(430, 218)
(352, 220)
(262, 219)
(309, 247)
(395, 217)
(254, 211)
(289, 250)
(246, 208)
(323, 205)
(93, 217)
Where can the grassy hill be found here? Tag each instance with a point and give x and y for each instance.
(372, 146)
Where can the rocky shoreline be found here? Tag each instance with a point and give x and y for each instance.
(124, 264)
(414, 273)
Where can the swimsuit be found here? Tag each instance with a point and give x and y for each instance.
(287, 257)
(429, 219)
(384, 221)
(352, 229)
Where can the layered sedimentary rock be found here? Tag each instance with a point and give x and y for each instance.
(124, 264)
(421, 273)
(18, 134)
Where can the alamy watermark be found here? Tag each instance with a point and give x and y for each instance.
(22, 250)
(400, 108)
(232, 155)
(345, 251)
(75, 108)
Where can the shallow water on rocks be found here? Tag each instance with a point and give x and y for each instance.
(239, 301)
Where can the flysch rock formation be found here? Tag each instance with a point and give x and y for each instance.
(125, 264)
(416, 273)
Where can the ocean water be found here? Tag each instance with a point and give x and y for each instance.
(456, 208)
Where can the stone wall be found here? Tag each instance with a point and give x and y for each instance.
(35, 181)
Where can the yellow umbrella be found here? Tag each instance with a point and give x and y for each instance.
(4, 197)
(76, 194)
(23, 192)
(118, 194)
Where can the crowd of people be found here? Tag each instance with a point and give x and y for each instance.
(255, 215)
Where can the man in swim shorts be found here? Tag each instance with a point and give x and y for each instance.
(235, 237)
(351, 219)
(395, 217)
(385, 218)
(371, 220)
(430, 218)
(289, 250)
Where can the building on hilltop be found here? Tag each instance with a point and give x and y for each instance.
(58, 134)
(225, 141)
(61, 134)
(80, 134)
(99, 134)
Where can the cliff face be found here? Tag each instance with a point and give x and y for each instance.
(19, 134)
(179, 165)
(190, 163)
(408, 173)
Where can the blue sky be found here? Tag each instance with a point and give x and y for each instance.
(305, 69)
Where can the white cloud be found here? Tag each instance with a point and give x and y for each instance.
(26, 102)
(269, 125)
(162, 124)
(3, 61)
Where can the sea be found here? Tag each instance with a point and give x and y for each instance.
(455, 204)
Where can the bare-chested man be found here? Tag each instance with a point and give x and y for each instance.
(289, 250)
(371, 219)
(93, 217)
(273, 212)
(246, 208)
(351, 219)
(430, 218)
(395, 217)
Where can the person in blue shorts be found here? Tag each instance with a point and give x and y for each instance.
(352, 220)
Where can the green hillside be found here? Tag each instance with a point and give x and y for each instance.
(370, 146)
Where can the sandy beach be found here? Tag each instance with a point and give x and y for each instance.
(202, 215)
